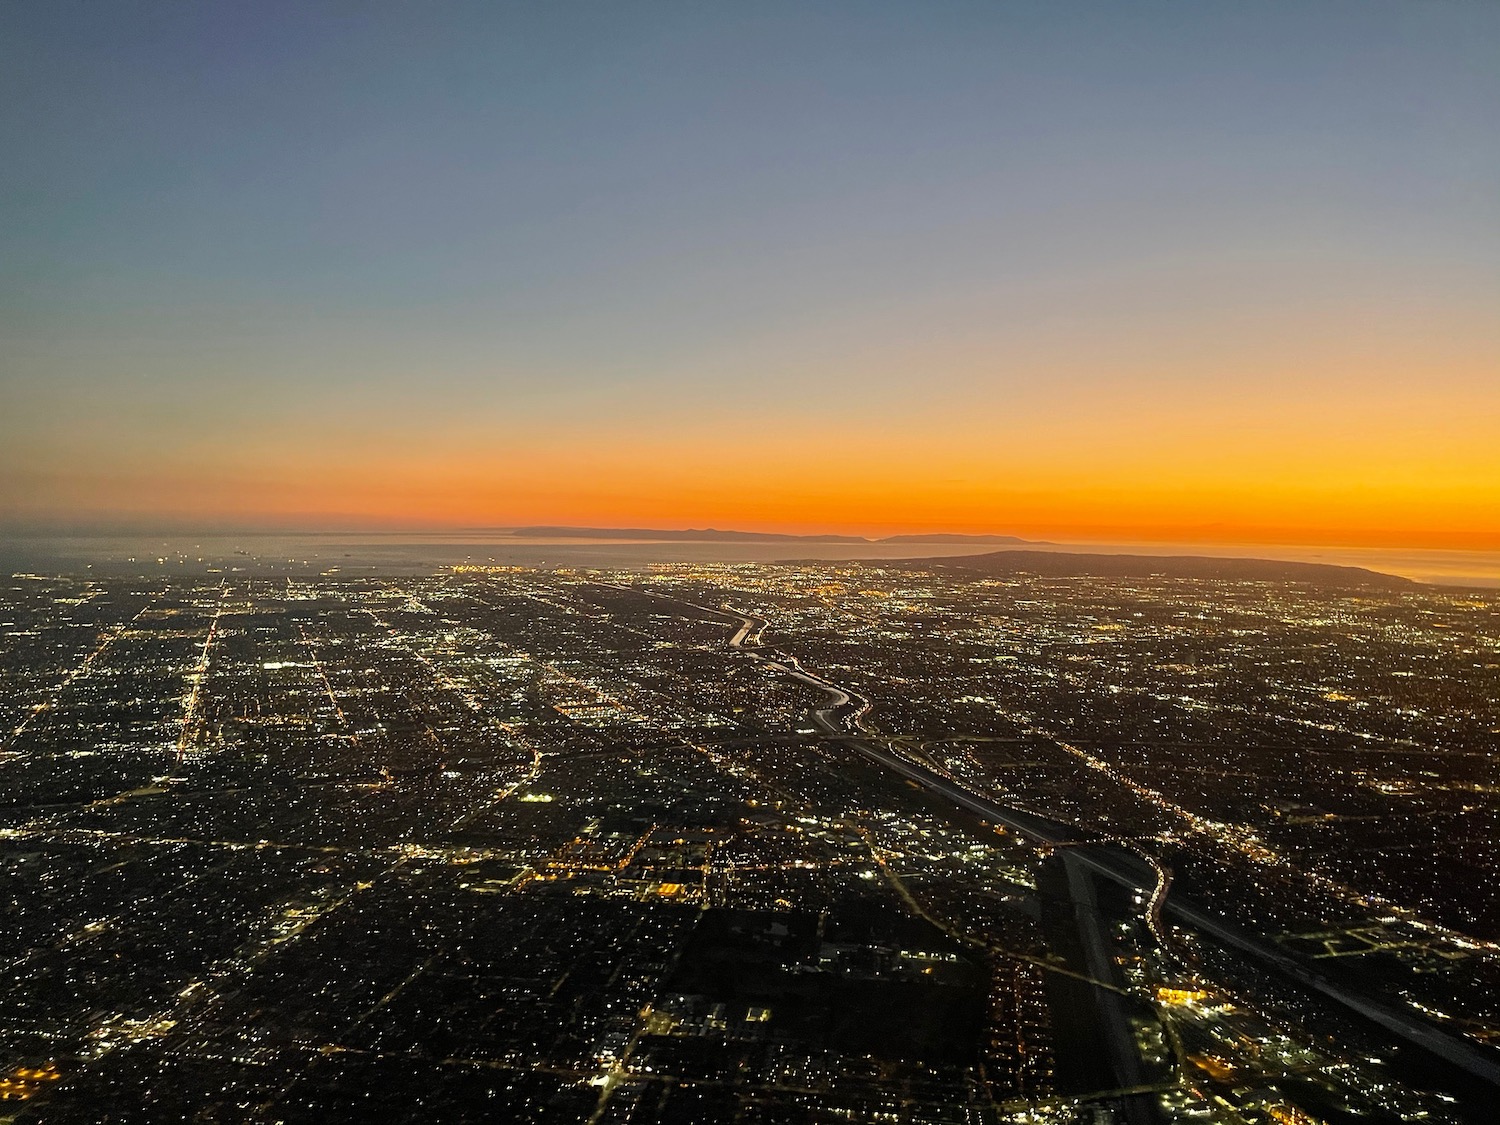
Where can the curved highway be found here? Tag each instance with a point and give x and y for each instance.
(843, 718)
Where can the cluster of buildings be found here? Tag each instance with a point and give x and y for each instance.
(501, 844)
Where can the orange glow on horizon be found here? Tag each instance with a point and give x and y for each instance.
(1403, 456)
(810, 497)
(976, 272)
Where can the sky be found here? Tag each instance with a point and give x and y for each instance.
(1209, 271)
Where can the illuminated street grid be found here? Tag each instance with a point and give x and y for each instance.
(508, 845)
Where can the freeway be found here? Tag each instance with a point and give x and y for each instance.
(1109, 1003)
(844, 718)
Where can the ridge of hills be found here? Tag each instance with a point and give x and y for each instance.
(1066, 564)
(712, 534)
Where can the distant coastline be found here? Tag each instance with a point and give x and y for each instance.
(422, 552)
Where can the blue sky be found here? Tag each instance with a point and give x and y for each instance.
(421, 227)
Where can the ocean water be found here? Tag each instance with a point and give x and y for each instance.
(421, 553)
(1455, 568)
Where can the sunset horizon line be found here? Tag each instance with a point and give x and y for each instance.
(1050, 535)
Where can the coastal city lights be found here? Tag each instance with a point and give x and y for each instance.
(897, 842)
(790, 562)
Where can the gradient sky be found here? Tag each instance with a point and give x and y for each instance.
(1115, 269)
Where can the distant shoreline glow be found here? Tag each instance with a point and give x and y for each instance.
(427, 551)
